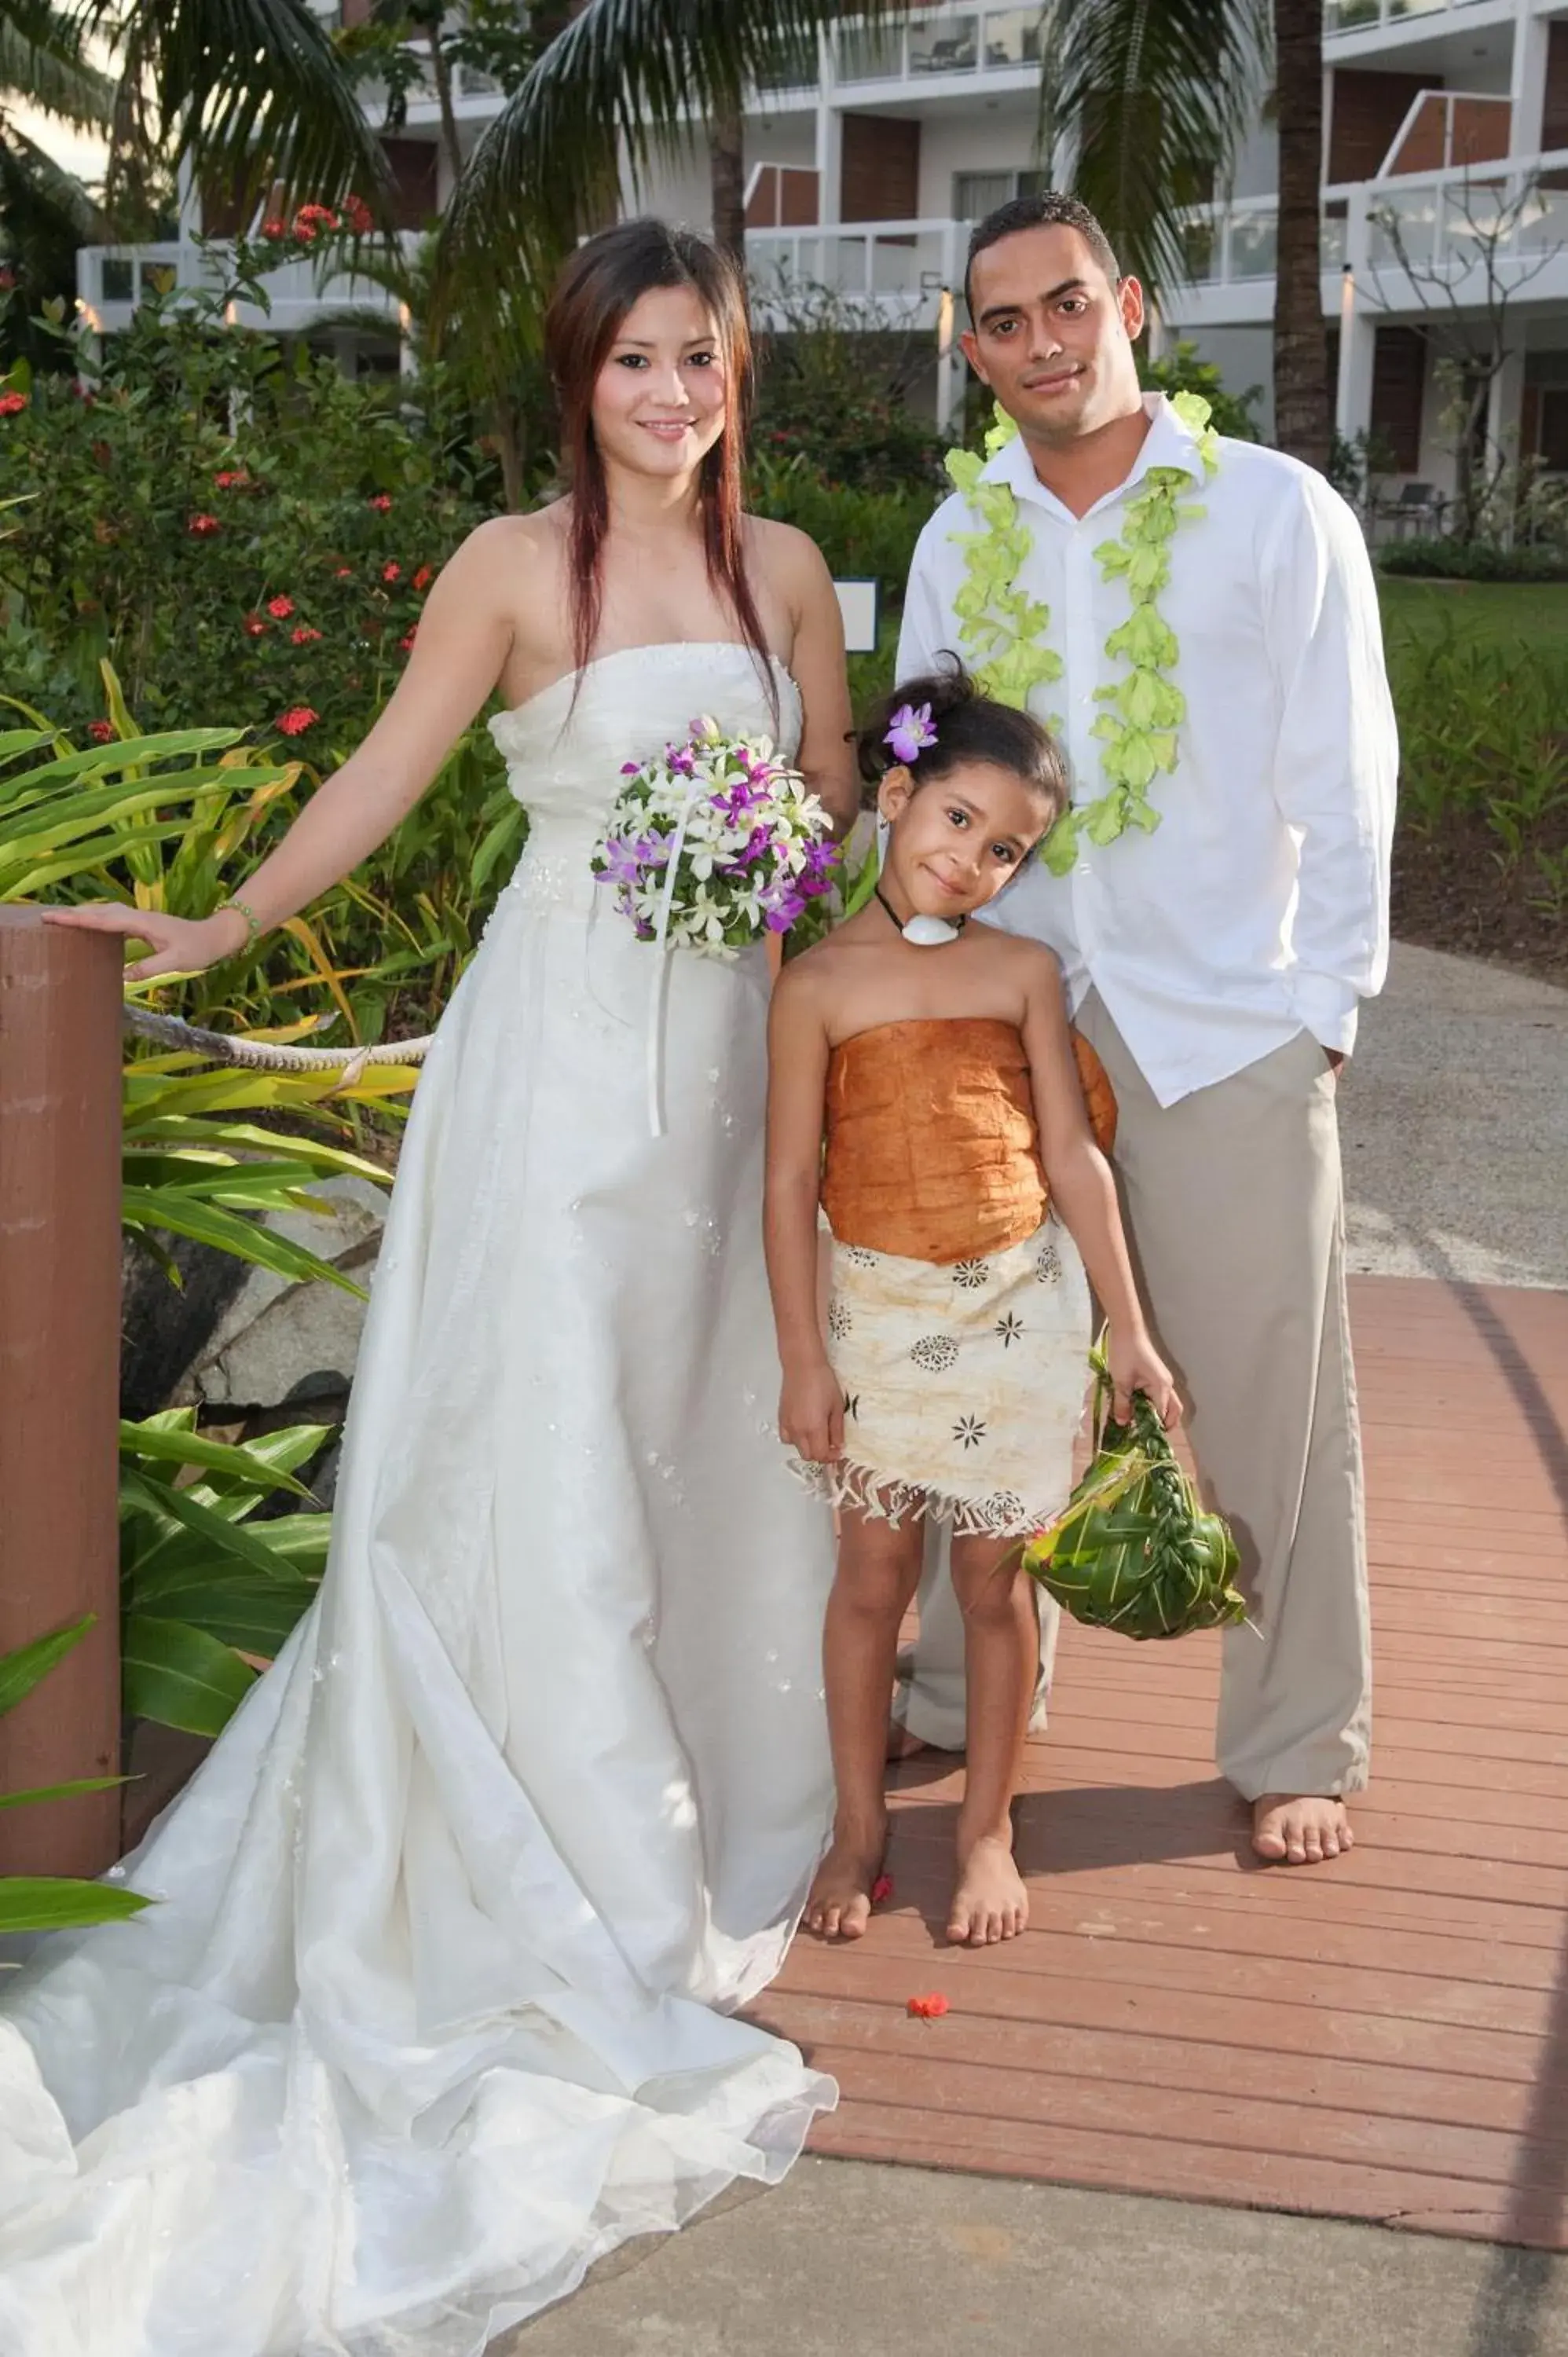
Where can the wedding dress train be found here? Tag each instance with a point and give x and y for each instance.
(433, 2008)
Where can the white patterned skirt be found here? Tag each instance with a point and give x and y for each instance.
(964, 1385)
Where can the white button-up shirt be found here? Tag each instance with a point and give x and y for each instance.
(1257, 908)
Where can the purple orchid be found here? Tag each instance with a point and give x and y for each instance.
(911, 731)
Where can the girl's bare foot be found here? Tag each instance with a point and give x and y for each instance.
(839, 1906)
(990, 1902)
(1300, 1829)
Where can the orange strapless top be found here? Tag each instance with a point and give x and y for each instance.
(932, 1152)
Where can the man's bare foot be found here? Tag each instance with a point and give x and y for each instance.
(1300, 1828)
(839, 1906)
(901, 1743)
(990, 1902)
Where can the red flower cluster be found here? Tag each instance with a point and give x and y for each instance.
(295, 720)
(926, 2008)
(344, 572)
(305, 635)
(10, 403)
(204, 526)
(381, 503)
(232, 478)
(406, 645)
(392, 570)
(881, 1888)
(358, 216)
(100, 731)
(254, 627)
(280, 607)
(273, 230)
(424, 577)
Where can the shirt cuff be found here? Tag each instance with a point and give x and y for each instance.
(1326, 1008)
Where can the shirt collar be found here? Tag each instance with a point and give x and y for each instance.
(1168, 442)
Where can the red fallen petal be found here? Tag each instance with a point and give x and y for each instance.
(926, 2008)
(881, 1888)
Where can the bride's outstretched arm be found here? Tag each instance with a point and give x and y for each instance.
(464, 635)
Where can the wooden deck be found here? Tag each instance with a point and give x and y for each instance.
(1385, 2038)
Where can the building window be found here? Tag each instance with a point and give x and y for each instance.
(975, 194)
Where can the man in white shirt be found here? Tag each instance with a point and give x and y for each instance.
(1216, 962)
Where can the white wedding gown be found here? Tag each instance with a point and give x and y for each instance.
(434, 2009)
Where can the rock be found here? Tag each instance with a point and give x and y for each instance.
(279, 1341)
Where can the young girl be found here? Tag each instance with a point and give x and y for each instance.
(935, 1058)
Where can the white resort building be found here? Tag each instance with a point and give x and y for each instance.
(1445, 207)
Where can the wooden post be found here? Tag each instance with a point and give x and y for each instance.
(59, 1377)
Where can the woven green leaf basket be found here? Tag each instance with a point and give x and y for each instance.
(1134, 1549)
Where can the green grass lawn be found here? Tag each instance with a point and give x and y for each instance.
(1492, 613)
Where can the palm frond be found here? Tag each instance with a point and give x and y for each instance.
(240, 82)
(42, 62)
(40, 199)
(1156, 96)
(625, 76)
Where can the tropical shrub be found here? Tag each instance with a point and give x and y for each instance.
(862, 534)
(54, 1902)
(235, 525)
(837, 396)
(1475, 560)
(1181, 371)
(207, 1595)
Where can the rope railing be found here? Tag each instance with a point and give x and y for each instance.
(267, 1055)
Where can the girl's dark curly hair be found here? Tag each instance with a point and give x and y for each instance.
(971, 726)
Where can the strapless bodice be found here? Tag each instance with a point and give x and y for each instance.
(565, 759)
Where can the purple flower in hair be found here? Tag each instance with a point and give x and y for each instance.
(911, 731)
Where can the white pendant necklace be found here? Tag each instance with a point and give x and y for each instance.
(922, 932)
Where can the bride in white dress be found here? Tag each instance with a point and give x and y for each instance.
(435, 2006)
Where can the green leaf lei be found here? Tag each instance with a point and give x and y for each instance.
(1003, 629)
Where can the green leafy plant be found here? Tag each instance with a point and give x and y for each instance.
(208, 1593)
(50, 1902)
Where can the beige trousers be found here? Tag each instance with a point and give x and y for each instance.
(1233, 1204)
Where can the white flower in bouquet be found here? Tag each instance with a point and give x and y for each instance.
(714, 844)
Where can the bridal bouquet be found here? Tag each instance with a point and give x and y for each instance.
(1134, 1549)
(714, 844)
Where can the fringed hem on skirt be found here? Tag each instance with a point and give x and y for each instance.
(886, 1498)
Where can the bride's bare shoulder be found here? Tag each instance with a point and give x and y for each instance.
(512, 548)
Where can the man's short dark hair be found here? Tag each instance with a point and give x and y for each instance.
(1052, 209)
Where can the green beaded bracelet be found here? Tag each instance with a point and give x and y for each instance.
(252, 922)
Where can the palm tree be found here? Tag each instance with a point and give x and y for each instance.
(242, 88)
(1152, 96)
(1303, 413)
(1151, 100)
(46, 211)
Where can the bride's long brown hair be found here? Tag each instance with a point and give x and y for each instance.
(594, 292)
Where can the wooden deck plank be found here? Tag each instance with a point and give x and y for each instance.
(1384, 2039)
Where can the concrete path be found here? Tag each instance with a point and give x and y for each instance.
(905, 2262)
(1454, 1115)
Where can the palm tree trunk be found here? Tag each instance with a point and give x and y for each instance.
(443, 74)
(728, 168)
(1303, 414)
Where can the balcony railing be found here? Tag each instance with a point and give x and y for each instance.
(1362, 15)
(890, 274)
(1437, 219)
(962, 42)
